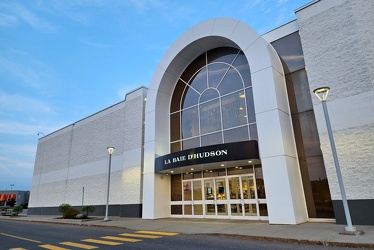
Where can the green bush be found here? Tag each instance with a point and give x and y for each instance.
(88, 209)
(17, 209)
(70, 213)
(63, 207)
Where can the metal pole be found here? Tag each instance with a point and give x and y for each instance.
(107, 191)
(82, 196)
(349, 226)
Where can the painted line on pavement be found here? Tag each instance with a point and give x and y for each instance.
(142, 236)
(79, 245)
(52, 247)
(17, 237)
(104, 242)
(120, 239)
(157, 233)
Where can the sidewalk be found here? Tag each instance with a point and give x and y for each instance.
(320, 233)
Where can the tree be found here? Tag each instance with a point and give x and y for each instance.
(63, 207)
(70, 213)
(17, 209)
(88, 209)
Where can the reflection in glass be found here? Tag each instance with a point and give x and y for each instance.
(241, 64)
(211, 139)
(236, 134)
(209, 94)
(233, 110)
(253, 132)
(213, 94)
(216, 73)
(210, 116)
(290, 50)
(250, 105)
(191, 143)
(231, 82)
(190, 98)
(190, 123)
(199, 81)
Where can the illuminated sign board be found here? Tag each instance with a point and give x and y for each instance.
(209, 154)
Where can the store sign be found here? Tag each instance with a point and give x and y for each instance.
(209, 154)
(195, 156)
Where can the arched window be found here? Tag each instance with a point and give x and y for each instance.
(212, 102)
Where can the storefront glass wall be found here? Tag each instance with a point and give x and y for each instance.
(213, 102)
(237, 193)
(316, 187)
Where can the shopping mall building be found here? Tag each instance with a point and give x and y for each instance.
(229, 128)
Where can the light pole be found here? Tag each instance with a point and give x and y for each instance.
(110, 151)
(11, 187)
(322, 93)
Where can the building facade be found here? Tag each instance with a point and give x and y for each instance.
(229, 127)
(11, 198)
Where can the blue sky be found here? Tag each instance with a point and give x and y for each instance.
(61, 61)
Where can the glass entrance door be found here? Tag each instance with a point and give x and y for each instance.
(215, 197)
(210, 200)
(239, 196)
(243, 197)
(192, 197)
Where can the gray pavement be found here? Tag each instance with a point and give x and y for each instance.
(321, 233)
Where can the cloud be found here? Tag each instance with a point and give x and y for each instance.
(96, 44)
(20, 103)
(24, 150)
(282, 1)
(9, 127)
(18, 12)
(7, 20)
(5, 169)
(250, 5)
(17, 128)
(31, 72)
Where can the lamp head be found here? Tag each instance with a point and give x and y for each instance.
(322, 93)
(110, 150)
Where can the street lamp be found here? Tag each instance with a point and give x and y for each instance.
(110, 151)
(322, 93)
